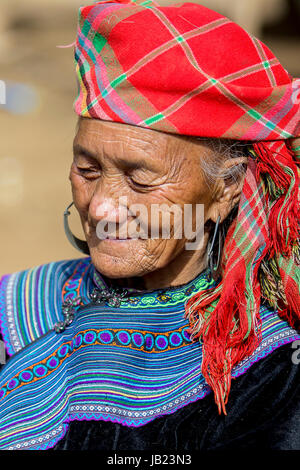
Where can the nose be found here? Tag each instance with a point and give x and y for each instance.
(107, 209)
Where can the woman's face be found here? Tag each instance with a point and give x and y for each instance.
(147, 167)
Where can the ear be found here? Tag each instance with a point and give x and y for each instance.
(227, 191)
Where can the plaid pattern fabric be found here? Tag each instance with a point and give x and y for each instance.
(165, 68)
(187, 70)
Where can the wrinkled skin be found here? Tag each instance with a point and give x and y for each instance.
(148, 167)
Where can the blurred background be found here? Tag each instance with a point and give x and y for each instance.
(37, 121)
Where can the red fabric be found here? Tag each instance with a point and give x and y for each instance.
(164, 54)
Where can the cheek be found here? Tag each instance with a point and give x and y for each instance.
(195, 190)
(82, 191)
(191, 192)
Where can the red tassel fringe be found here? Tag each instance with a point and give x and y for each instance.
(224, 329)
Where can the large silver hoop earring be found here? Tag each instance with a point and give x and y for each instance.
(80, 245)
(214, 265)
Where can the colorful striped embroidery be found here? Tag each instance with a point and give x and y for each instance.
(127, 365)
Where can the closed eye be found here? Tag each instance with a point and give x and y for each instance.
(89, 173)
(138, 185)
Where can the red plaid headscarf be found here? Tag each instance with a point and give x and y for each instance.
(188, 70)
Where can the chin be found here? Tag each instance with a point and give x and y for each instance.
(116, 267)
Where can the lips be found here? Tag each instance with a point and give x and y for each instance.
(118, 238)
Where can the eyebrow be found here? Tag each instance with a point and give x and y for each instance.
(79, 149)
(132, 165)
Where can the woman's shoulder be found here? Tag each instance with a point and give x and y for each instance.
(31, 300)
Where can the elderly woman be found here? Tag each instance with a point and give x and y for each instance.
(135, 345)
